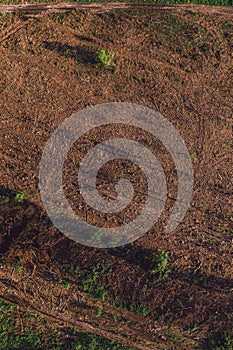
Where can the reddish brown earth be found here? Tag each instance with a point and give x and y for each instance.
(179, 65)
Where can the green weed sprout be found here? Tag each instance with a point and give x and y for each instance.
(3, 199)
(159, 266)
(104, 59)
(20, 197)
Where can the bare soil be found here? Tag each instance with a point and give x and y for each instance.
(179, 64)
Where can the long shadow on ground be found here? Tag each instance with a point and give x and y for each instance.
(24, 226)
(85, 55)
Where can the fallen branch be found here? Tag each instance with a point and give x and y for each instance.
(104, 7)
(14, 29)
(33, 11)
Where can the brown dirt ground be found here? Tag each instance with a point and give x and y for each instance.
(179, 65)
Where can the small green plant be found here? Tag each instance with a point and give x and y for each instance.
(74, 271)
(99, 312)
(140, 309)
(172, 336)
(227, 26)
(4, 199)
(63, 282)
(137, 308)
(191, 330)
(18, 268)
(159, 267)
(191, 297)
(66, 285)
(92, 283)
(20, 197)
(193, 155)
(104, 59)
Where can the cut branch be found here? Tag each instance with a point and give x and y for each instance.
(33, 9)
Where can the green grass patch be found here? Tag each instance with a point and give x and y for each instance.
(30, 332)
(137, 308)
(219, 341)
(92, 283)
(11, 334)
(104, 59)
(20, 197)
(4, 199)
(227, 26)
(160, 266)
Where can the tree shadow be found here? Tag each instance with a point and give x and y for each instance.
(24, 224)
(83, 38)
(135, 255)
(81, 54)
(20, 220)
(143, 258)
(218, 340)
(201, 279)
